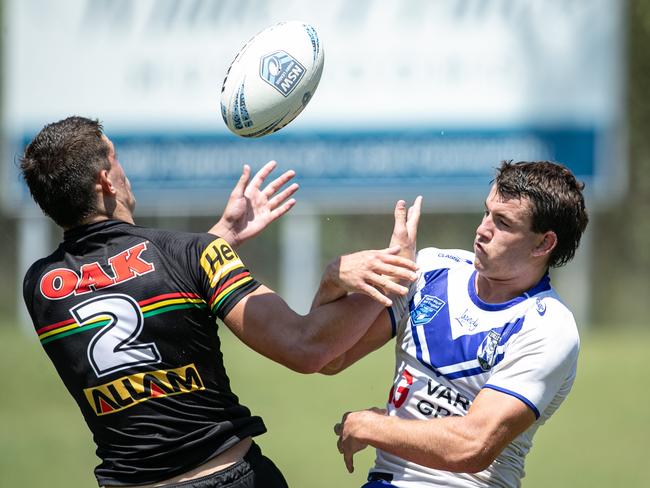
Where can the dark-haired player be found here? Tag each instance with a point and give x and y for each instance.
(486, 350)
(128, 317)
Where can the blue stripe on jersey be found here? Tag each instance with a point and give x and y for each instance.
(530, 404)
(437, 331)
(543, 285)
(393, 322)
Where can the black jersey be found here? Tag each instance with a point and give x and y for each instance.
(128, 317)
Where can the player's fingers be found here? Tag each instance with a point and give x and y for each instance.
(375, 294)
(283, 195)
(380, 411)
(243, 181)
(347, 457)
(388, 257)
(400, 211)
(394, 250)
(387, 285)
(338, 428)
(414, 217)
(283, 209)
(279, 182)
(261, 175)
(404, 268)
(400, 217)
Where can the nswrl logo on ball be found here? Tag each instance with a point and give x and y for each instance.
(281, 71)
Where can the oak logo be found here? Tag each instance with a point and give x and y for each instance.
(62, 282)
(130, 390)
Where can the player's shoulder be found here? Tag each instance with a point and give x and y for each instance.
(431, 258)
(43, 265)
(550, 318)
(176, 241)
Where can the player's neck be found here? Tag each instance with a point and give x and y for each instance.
(118, 213)
(500, 290)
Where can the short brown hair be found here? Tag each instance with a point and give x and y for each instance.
(557, 201)
(60, 167)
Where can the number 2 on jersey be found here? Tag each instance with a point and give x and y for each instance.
(115, 346)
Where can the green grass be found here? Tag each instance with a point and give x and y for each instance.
(598, 438)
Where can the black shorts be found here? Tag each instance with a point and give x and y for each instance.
(254, 471)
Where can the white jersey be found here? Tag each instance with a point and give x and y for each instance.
(451, 344)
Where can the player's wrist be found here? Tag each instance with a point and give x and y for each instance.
(224, 230)
(362, 423)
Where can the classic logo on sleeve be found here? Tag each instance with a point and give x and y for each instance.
(218, 259)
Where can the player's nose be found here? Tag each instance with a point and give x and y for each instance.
(484, 230)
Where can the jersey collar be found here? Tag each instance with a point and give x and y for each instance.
(543, 285)
(76, 233)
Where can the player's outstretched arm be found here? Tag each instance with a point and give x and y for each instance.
(459, 444)
(306, 343)
(360, 273)
(250, 209)
(404, 239)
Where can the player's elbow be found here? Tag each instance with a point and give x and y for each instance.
(478, 462)
(333, 367)
(476, 457)
(304, 360)
(305, 366)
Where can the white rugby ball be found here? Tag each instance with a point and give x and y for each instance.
(272, 79)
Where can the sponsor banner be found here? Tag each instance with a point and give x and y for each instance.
(128, 391)
(418, 97)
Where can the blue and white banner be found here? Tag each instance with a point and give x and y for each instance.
(418, 96)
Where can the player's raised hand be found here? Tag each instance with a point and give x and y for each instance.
(250, 209)
(352, 427)
(405, 230)
(375, 273)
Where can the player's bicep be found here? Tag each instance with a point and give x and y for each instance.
(263, 321)
(497, 418)
(379, 333)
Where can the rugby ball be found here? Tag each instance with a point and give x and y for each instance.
(272, 79)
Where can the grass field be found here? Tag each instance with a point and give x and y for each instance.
(597, 439)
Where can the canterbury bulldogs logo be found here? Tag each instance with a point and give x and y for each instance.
(426, 310)
(281, 71)
(487, 351)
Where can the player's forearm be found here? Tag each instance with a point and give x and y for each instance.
(328, 331)
(450, 444)
(329, 288)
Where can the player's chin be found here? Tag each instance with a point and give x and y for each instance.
(481, 262)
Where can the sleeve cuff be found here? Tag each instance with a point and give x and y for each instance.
(530, 404)
(393, 322)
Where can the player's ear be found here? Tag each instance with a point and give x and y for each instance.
(104, 183)
(546, 244)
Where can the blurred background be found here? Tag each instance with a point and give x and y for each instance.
(416, 97)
